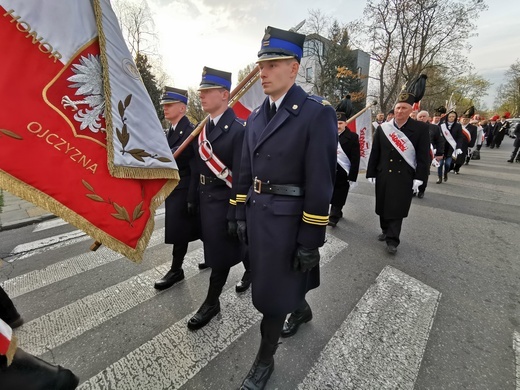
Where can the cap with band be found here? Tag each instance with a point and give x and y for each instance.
(281, 44)
(174, 95)
(213, 78)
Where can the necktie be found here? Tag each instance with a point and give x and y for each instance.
(272, 111)
(211, 126)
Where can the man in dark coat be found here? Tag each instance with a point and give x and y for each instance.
(286, 183)
(516, 145)
(398, 164)
(452, 133)
(347, 168)
(181, 220)
(500, 130)
(437, 146)
(469, 139)
(217, 157)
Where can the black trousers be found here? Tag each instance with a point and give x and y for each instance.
(247, 265)
(217, 280)
(341, 188)
(423, 186)
(392, 229)
(178, 253)
(8, 312)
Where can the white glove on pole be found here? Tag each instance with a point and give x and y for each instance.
(416, 185)
(371, 180)
(352, 184)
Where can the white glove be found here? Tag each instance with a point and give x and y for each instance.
(371, 180)
(457, 152)
(416, 185)
(435, 163)
(352, 184)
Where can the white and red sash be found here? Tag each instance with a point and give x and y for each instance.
(343, 159)
(446, 133)
(401, 143)
(212, 161)
(466, 133)
(7, 341)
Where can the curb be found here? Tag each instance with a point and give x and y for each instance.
(26, 222)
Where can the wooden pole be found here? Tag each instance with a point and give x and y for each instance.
(351, 119)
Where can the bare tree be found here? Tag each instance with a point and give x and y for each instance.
(195, 113)
(509, 92)
(409, 37)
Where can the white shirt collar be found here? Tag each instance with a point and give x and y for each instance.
(216, 119)
(277, 102)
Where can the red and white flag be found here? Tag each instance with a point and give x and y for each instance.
(7, 341)
(250, 100)
(78, 132)
(362, 125)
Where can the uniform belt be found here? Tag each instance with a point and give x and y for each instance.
(261, 187)
(205, 180)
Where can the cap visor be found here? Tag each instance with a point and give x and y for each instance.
(273, 57)
(163, 102)
(210, 86)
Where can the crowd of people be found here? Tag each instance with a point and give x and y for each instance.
(261, 192)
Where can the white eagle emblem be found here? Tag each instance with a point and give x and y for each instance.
(88, 81)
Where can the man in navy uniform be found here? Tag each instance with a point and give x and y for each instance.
(347, 167)
(218, 152)
(181, 221)
(398, 164)
(286, 183)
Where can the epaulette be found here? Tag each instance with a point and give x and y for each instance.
(241, 121)
(319, 99)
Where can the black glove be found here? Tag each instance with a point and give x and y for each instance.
(305, 259)
(192, 209)
(232, 229)
(242, 231)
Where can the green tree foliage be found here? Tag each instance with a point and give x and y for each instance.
(195, 113)
(149, 81)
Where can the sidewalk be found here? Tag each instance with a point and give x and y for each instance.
(17, 212)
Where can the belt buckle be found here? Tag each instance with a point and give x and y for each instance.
(223, 174)
(202, 179)
(257, 186)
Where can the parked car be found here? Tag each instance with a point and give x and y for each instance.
(514, 122)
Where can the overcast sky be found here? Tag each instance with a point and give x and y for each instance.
(226, 34)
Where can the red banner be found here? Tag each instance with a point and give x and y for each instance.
(50, 157)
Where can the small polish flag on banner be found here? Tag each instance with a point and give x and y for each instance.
(78, 132)
(250, 100)
(362, 125)
(7, 342)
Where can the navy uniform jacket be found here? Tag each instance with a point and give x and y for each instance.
(349, 142)
(217, 200)
(178, 225)
(394, 177)
(297, 147)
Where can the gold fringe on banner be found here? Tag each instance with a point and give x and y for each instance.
(13, 345)
(41, 199)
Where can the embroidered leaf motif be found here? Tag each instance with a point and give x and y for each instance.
(164, 159)
(128, 100)
(88, 186)
(137, 211)
(95, 197)
(122, 212)
(11, 134)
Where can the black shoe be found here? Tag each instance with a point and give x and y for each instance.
(414, 194)
(169, 279)
(258, 375)
(439, 180)
(242, 286)
(203, 316)
(445, 177)
(456, 172)
(381, 237)
(391, 249)
(420, 195)
(333, 221)
(29, 372)
(290, 327)
(510, 160)
(203, 266)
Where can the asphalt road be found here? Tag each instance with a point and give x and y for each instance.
(443, 313)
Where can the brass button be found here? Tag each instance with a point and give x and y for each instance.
(391, 160)
(398, 171)
(390, 170)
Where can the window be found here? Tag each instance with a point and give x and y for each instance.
(312, 47)
(309, 74)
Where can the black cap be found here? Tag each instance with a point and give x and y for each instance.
(342, 117)
(440, 110)
(414, 92)
(469, 112)
(213, 78)
(281, 44)
(174, 95)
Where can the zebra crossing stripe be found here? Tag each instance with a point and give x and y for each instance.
(174, 356)
(64, 324)
(516, 348)
(73, 266)
(381, 343)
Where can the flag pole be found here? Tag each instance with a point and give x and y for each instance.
(357, 115)
(235, 95)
